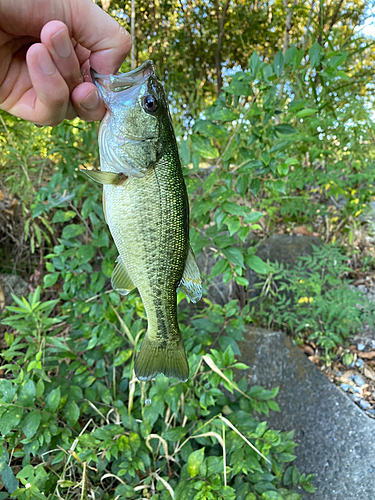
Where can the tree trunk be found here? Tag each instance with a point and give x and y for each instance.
(221, 25)
(306, 37)
(133, 34)
(288, 24)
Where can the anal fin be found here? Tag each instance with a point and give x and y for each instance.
(121, 281)
(191, 283)
(105, 177)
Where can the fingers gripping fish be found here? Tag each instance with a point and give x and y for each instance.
(146, 208)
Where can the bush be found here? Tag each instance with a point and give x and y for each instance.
(75, 422)
(312, 301)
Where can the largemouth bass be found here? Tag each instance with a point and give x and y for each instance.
(146, 208)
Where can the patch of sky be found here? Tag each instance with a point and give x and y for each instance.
(368, 27)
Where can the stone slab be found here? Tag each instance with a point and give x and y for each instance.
(11, 283)
(336, 439)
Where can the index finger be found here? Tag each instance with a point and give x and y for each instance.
(97, 31)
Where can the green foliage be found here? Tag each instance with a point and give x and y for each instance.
(74, 418)
(312, 301)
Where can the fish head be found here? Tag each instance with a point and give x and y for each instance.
(130, 137)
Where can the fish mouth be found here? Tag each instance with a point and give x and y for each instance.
(123, 81)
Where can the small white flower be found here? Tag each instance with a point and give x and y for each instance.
(28, 485)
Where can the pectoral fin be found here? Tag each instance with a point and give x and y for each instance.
(191, 283)
(105, 177)
(121, 281)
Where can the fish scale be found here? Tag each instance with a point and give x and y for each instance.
(153, 222)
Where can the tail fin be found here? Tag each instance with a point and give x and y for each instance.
(154, 358)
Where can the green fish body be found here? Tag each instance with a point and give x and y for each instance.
(146, 208)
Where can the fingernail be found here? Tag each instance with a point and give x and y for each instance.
(61, 43)
(45, 62)
(91, 101)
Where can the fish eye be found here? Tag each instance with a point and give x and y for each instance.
(150, 104)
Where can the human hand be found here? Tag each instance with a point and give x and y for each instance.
(46, 50)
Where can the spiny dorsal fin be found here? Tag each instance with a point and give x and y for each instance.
(121, 281)
(191, 283)
(105, 177)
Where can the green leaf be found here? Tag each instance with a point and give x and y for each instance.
(175, 434)
(273, 406)
(219, 268)
(195, 158)
(286, 457)
(195, 460)
(306, 112)
(7, 390)
(8, 478)
(243, 232)
(39, 388)
(234, 208)
(85, 253)
(238, 88)
(279, 186)
(9, 420)
(122, 357)
(255, 64)
(315, 55)
(72, 413)
(278, 63)
(342, 75)
(256, 264)
(309, 487)
(72, 231)
(210, 129)
(53, 400)
(295, 476)
(285, 128)
(287, 479)
(30, 423)
(50, 279)
(240, 366)
(203, 147)
(185, 152)
(265, 157)
(63, 216)
(125, 491)
(86, 208)
(337, 60)
(271, 495)
(282, 169)
(233, 224)
(107, 266)
(26, 395)
(253, 217)
(224, 115)
(234, 256)
(255, 186)
(241, 280)
(38, 496)
(224, 241)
